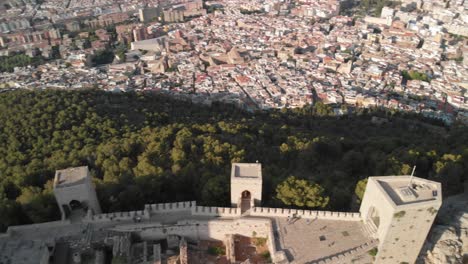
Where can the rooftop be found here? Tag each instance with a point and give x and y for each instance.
(246, 170)
(328, 237)
(70, 176)
(403, 190)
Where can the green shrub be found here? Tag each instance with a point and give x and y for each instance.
(373, 252)
(432, 210)
(260, 241)
(399, 214)
(266, 256)
(216, 251)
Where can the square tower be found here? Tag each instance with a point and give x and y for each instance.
(400, 210)
(74, 190)
(246, 185)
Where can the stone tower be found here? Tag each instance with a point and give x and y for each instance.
(399, 211)
(246, 185)
(74, 191)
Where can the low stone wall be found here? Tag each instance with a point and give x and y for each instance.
(308, 214)
(60, 223)
(216, 211)
(203, 229)
(276, 256)
(117, 216)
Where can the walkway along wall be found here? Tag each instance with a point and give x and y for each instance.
(307, 214)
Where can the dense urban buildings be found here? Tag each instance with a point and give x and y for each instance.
(408, 56)
(340, 57)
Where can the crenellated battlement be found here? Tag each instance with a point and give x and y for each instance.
(216, 211)
(307, 214)
(118, 216)
(170, 207)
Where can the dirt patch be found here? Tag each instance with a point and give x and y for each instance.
(254, 249)
(208, 252)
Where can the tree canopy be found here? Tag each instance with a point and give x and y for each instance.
(8, 63)
(360, 188)
(149, 148)
(301, 193)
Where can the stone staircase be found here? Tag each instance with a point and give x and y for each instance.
(348, 255)
(369, 229)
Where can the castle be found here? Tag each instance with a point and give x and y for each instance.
(391, 226)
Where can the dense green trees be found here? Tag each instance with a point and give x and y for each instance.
(102, 57)
(301, 193)
(374, 7)
(8, 63)
(360, 188)
(415, 75)
(144, 148)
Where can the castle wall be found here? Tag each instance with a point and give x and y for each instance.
(216, 211)
(307, 214)
(202, 229)
(117, 216)
(170, 207)
(158, 210)
(22, 228)
(216, 229)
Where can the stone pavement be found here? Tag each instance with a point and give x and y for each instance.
(310, 240)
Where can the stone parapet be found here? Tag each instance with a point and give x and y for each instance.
(170, 207)
(216, 211)
(118, 216)
(307, 214)
(13, 229)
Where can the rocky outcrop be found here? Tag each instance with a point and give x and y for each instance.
(447, 242)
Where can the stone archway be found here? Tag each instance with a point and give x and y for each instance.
(246, 200)
(74, 204)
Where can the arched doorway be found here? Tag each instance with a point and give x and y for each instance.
(246, 198)
(74, 204)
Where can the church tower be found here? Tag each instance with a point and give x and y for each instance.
(400, 210)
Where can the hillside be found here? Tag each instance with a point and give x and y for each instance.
(145, 148)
